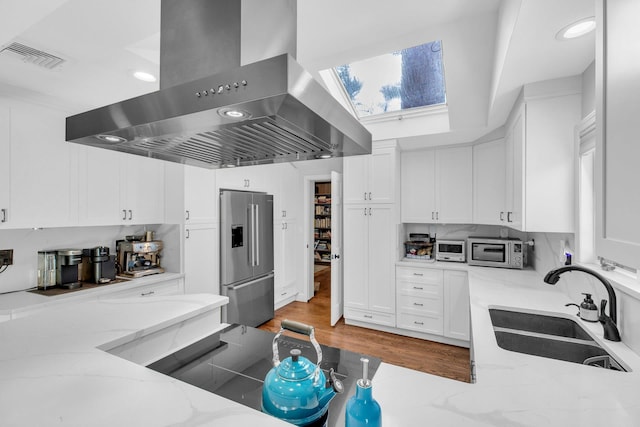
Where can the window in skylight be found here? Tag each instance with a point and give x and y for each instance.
(410, 78)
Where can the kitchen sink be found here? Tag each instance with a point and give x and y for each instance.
(549, 336)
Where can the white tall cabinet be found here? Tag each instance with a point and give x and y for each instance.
(370, 219)
(437, 186)
(489, 183)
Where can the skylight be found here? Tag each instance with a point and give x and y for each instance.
(408, 79)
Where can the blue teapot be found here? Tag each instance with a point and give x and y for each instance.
(297, 390)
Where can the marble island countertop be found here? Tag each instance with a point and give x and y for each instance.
(55, 369)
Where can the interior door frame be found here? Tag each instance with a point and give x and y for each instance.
(309, 194)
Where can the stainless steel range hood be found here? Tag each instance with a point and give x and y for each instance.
(214, 111)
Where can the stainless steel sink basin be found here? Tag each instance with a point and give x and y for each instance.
(548, 336)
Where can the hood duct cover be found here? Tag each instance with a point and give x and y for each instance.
(225, 113)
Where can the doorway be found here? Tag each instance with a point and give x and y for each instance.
(322, 239)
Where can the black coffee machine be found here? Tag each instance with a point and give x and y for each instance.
(68, 261)
(100, 266)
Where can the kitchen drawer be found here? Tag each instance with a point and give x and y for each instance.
(172, 287)
(420, 275)
(427, 324)
(370, 316)
(418, 289)
(420, 306)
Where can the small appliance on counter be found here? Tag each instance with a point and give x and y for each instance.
(97, 265)
(451, 250)
(47, 270)
(419, 246)
(137, 259)
(491, 252)
(68, 262)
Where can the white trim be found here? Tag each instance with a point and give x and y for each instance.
(430, 110)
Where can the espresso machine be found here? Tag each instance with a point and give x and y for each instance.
(138, 258)
(68, 261)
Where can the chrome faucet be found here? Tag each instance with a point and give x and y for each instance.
(611, 332)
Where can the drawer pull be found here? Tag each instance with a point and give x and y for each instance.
(418, 304)
(420, 288)
(418, 323)
(418, 274)
(144, 294)
(368, 316)
(283, 294)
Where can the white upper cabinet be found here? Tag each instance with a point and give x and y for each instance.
(540, 143)
(489, 183)
(200, 196)
(141, 189)
(38, 180)
(617, 148)
(371, 178)
(437, 186)
(287, 193)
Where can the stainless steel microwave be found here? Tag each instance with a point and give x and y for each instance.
(504, 253)
(450, 250)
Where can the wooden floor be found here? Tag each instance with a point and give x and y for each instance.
(427, 356)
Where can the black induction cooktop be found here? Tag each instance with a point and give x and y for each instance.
(234, 362)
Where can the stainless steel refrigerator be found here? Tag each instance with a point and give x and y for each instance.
(246, 256)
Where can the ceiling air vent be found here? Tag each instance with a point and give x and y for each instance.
(32, 56)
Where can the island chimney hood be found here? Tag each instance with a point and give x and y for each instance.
(214, 111)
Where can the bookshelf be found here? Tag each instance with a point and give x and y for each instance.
(322, 223)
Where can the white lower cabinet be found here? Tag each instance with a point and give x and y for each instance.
(433, 301)
(456, 305)
(169, 287)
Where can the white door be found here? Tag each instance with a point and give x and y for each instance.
(336, 248)
(201, 260)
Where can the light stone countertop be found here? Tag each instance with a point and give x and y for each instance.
(513, 389)
(52, 371)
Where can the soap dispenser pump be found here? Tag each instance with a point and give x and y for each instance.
(588, 309)
(362, 408)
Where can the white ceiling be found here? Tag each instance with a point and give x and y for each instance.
(491, 48)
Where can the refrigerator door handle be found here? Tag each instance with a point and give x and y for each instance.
(252, 235)
(257, 234)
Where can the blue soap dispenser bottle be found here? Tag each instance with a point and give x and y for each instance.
(362, 409)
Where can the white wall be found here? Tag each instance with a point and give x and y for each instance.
(589, 89)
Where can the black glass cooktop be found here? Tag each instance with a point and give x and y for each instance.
(234, 362)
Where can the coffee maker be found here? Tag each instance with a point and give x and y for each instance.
(137, 258)
(68, 261)
(97, 265)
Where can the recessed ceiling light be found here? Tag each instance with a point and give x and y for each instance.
(112, 139)
(577, 29)
(324, 156)
(145, 77)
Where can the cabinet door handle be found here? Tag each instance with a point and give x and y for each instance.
(188, 215)
(364, 195)
(509, 216)
(420, 288)
(130, 214)
(284, 214)
(286, 226)
(144, 294)
(437, 215)
(369, 196)
(368, 316)
(365, 211)
(4, 215)
(418, 304)
(418, 323)
(433, 215)
(188, 234)
(124, 214)
(501, 216)
(418, 274)
(369, 211)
